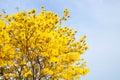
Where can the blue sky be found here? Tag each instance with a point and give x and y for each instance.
(98, 19)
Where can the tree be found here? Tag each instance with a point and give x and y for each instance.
(36, 46)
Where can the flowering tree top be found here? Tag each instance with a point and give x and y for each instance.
(36, 46)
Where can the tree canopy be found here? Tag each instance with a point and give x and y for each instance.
(36, 47)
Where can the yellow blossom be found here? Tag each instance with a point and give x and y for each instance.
(7, 76)
(0, 14)
(36, 45)
(66, 12)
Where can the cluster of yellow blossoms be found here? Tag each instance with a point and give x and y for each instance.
(36, 46)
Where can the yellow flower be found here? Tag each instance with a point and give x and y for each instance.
(0, 14)
(47, 71)
(54, 60)
(28, 73)
(7, 75)
(33, 11)
(66, 12)
(85, 71)
(86, 47)
(73, 56)
(14, 75)
(6, 16)
(23, 62)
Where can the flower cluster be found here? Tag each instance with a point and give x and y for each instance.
(37, 46)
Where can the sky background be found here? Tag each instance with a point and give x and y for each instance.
(98, 19)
